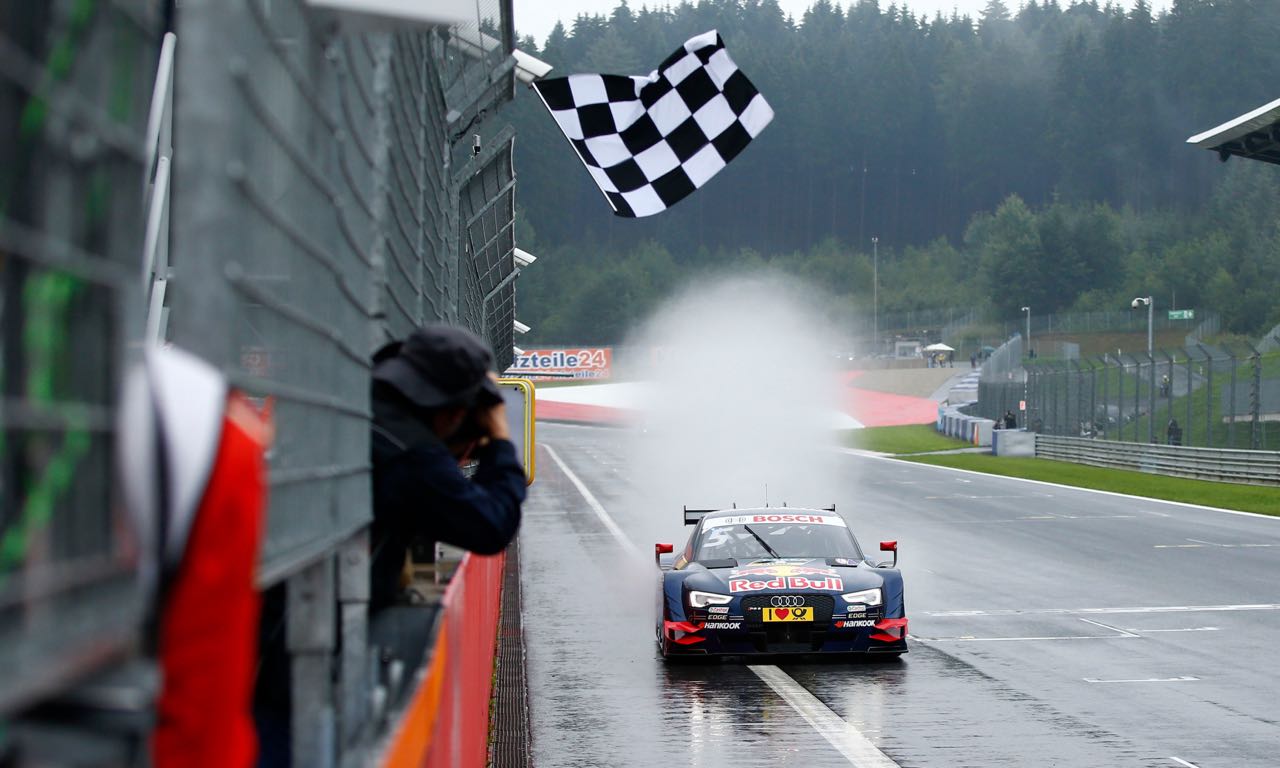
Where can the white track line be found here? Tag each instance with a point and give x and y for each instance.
(1182, 679)
(1154, 609)
(847, 739)
(1123, 633)
(595, 505)
(856, 747)
(1184, 763)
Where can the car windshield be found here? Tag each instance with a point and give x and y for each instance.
(746, 537)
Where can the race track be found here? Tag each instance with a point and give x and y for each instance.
(1050, 627)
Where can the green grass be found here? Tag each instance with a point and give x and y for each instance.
(913, 438)
(1249, 498)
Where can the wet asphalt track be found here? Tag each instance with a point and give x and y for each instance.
(1051, 627)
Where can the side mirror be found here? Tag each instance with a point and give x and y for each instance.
(662, 549)
(890, 546)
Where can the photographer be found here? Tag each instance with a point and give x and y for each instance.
(436, 404)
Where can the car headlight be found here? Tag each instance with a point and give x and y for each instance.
(870, 597)
(703, 599)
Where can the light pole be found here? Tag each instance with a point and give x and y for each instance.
(1151, 306)
(1139, 301)
(1026, 375)
(875, 293)
(1028, 311)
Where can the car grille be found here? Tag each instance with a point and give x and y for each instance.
(788, 637)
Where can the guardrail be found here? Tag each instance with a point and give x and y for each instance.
(1219, 464)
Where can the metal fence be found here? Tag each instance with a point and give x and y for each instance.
(324, 198)
(322, 210)
(1212, 396)
(1202, 323)
(1218, 464)
(1001, 382)
(75, 84)
(336, 187)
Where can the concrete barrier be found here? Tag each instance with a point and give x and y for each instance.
(1013, 442)
(972, 429)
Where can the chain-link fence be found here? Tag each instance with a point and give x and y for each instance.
(1001, 383)
(1196, 323)
(75, 84)
(1223, 396)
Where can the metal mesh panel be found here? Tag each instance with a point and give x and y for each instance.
(474, 53)
(274, 229)
(317, 217)
(486, 211)
(75, 84)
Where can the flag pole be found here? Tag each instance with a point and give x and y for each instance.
(581, 159)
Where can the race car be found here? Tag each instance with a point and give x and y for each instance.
(774, 581)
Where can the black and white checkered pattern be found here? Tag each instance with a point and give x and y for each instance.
(650, 141)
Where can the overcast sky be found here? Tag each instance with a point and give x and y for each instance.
(537, 17)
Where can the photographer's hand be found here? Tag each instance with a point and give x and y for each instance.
(493, 421)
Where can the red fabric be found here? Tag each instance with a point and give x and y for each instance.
(208, 630)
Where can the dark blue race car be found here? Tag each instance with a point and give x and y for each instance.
(777, 580)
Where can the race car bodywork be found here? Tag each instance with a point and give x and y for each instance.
(771, 581)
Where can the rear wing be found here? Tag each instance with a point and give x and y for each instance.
(693, 516)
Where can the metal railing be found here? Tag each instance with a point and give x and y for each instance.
(1222, 465)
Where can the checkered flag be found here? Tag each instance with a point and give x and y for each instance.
(650, 141)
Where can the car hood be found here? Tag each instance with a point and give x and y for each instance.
(788, 575)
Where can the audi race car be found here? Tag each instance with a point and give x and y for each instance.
(777, 580)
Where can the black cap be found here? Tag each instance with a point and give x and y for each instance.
(438, 365)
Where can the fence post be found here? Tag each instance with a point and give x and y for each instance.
(1151, 398)
(1168, 390)
(1106, 408)
(1137, 395)
(1208, 396)
(1093, 400)
(1073, 419)
(1231, 398)
(1187, 439)
(1059, 393)
(1255, 398)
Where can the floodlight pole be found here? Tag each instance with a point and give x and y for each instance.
(875, 293)
(1028, 311)
(1151, 308)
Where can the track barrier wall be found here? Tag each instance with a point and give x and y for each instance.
(446, 723)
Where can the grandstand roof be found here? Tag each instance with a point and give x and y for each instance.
(1255, 135)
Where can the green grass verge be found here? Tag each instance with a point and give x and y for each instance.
(1248, 498)
(912, 438)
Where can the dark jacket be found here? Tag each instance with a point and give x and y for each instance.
(419, 491)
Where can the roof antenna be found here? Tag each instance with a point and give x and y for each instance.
(766, 495)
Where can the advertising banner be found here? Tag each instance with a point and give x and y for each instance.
(563, 363)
